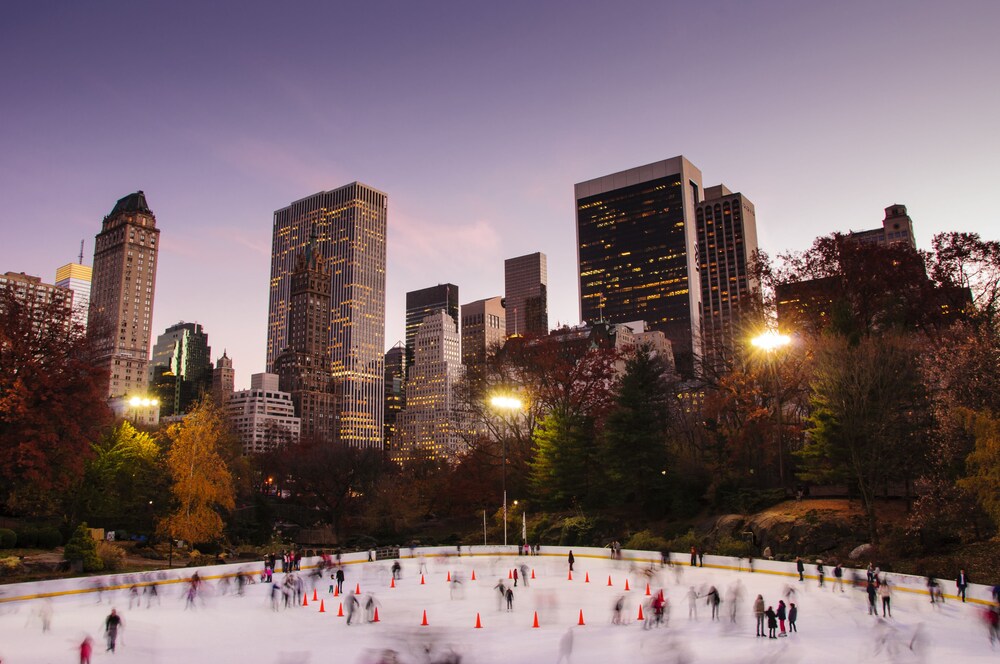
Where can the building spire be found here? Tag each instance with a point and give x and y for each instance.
(80, 261)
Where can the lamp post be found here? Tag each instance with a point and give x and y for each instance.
(510, 405)
(770, 343)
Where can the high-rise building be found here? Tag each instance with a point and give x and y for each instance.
(180, 370)
(223, 379)
(484, 324)
(263, 416)
(420, 303)
(47, 304)
(526, 285)
(76, 277)
(121, 296)
(429, 426)
(304, 366)
(637, 252)
(395, 382)
(727, 239)
(350, 225)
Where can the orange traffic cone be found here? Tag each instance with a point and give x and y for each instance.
(535, 624)
(322, 607)
(510, 574)
(423, 623)
(570, 577)
(340, 610)
(336, 591)
(581, 618)
(392, 584)
(479, 623)
(626, 584)
(532, 573)
(640, 613)
(586, 578)
(375, 619)
(647, 590)
(473, 575)
(357, 588)
(305, 600)
(449, 576)
(421, 579)
(609, 581)
(314, 595)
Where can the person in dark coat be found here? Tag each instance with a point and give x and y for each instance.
(801, 567)
(772, 622)
(820, 571)
(571, 560)
(694, 557)
(340, 580)
(780, 615)
(714, 600)
(111, 626)
(872, 599)
(510, 599)
(793, 614)
(962, 582)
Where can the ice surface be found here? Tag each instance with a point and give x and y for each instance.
(833, 626)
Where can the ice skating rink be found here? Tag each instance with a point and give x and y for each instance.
(223, 627)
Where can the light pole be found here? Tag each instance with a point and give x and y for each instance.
(510, 405)
(771, 342)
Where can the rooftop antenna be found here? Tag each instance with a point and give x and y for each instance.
(81, 253)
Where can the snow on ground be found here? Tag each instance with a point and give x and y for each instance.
(833, 626)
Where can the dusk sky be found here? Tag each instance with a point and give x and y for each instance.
(476, 118)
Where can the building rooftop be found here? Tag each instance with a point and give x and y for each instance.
(132, 203)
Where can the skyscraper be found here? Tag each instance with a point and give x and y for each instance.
(429, 425)
(727, 239)
(395, 382)
(263, 416)
(350, 224)
(637, 252)
(484, 323)
(180, 371)
(304, 366)
(223, 379)
(526, 284)
(420, 303)
(121, 296)
(76, 277)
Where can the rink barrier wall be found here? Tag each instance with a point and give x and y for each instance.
(976, 594)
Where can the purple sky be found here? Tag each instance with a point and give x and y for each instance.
(477, 119)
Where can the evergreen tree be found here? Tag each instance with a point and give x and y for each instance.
(567, 469)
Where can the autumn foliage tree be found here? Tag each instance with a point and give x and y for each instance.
(52, 404)
(202, 486)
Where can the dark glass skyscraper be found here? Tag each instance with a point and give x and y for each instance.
(637, 252)
(420, 303)
(181, 367)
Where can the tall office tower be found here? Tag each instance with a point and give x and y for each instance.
(727, 238)
(484, 323)
(263, 416)
(429, 425)
(223, 379)
(897, 228)
(180, 370)
(395, 381)
(350, 224)
(637, 252)
(76, 277)
(121, 294)
(420, 303)
(526, 285)
(47, 304)
(304, 367)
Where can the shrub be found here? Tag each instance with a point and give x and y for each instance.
(48, 537)
(81, 548)
(27, 537)
(112, 557)
(646, 541)
(683, 543)
(10, 565)
(729, 546)
(8, 538)
(576, 530)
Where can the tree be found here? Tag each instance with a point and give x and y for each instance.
(52, 403)
(202, 484)
(81, 548)
(983, 464)
(635, 435)
(567, 468)
(868, 417)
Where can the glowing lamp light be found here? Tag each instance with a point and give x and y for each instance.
(771, 341)
(506, 403)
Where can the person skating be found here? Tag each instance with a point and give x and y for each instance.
(86, 650)
(793, 614)
(758, 612)
(111, 626)
(872, 599)
(616, 613)
(502, 592)
(781, 614)
(772, 622)
(962, 583)
(515, 577)
(694, 557)
(571, 560)
(524, 575)
(820, 572)
(510, 599)
(340, 580)
(396, 570)
(692, 598)
(800, 567)
(838, 575)
(350, 606)
(714, 600)
(886, 594)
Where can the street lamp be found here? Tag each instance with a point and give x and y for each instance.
(771, 342)
(511, 405)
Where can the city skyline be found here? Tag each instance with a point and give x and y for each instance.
(477, 122)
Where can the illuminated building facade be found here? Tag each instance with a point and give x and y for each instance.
(420, 303)
(263, 416)
(395, 382)
(76, 277)
(121, 296)
(484, 323)
(526, 286)
(727, 239)
(637, 252)
(180, 370)
(350, 225)
(429, 425)
(47, 304)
